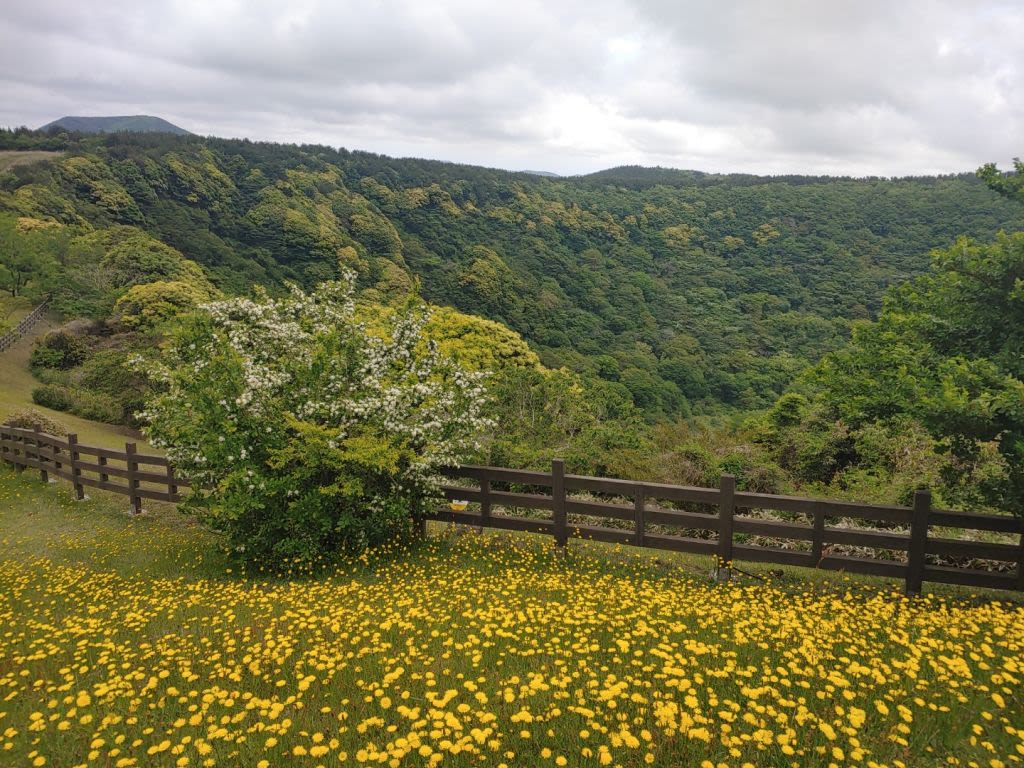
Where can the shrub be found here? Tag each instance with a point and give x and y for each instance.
(124, 388)
(303, 434)
(88, 405)
(59, 349)
(97, 407)
(30, 418)
(53, 396)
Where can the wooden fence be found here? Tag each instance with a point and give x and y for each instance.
(136, 475)
(722, 511)
(14, 335)
(725, 512)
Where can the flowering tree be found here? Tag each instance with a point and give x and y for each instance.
(302, 433)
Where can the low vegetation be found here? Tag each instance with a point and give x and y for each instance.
(129, 642)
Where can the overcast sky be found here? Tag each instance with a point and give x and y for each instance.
(840, 86)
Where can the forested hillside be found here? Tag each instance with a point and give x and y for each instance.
(687, 292)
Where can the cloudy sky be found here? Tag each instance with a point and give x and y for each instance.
(767, 86)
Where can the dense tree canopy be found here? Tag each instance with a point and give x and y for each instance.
(694, 292)
(943, 366)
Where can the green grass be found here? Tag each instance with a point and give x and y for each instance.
(129, 641)
(17, 383)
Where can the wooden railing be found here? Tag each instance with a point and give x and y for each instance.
(136, 475)
(723, 512)
(14, 335)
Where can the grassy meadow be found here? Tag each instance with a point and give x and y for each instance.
(17, 383)
(130, 642)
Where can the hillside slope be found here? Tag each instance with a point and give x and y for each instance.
(690, 292)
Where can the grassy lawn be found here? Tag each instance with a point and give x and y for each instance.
(130, 642)
(17, 383)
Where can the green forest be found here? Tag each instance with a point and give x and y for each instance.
(852, 336)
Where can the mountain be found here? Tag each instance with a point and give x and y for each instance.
(135, 123)
(687, 292)
(547, 174)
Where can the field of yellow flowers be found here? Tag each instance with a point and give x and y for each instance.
(130, 643)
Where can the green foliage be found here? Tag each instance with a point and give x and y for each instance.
(87, 405)
(28, 249)
(1009, 185)
(90, 177)
(150, 305)
(107, 375)
(131, 257)
(59, 349)
(478, 344)
(759, 276)
(943, 359)
(305, 435)
(544, 413)
(52, 396)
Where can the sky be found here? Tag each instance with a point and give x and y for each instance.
(852, 87)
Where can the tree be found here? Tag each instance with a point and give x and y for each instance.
(304, 435)
(947, 351)
(146, 306)
(26, 254)
(1009, 185)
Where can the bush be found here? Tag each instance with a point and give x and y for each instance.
(304, 435)
(53, 396)
(31, 418)
(97, 407)
(59, 349)
(88, 405)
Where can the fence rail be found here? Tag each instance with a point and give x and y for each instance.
(136, 475)
(14, 335)
(722, 511)
(726, 513)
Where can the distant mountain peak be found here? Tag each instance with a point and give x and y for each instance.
(134, 123)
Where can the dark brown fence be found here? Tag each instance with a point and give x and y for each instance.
(725, 513)
(136, 475)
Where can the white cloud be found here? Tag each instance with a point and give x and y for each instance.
(794, 86)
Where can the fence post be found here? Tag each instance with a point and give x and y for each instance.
(172, 486)
(726, 509)
(561, 529)
(135, 503)
(485, 503)
(918, 541)
(76, 472)
(43, 474)
(104, 477)
(818, 540)
(640, 509)
(54, 453)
